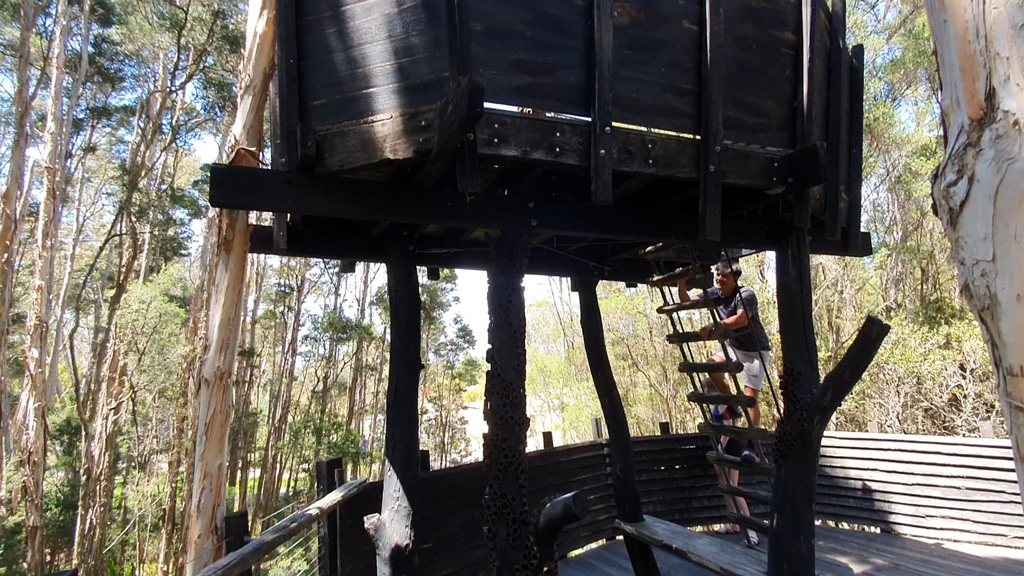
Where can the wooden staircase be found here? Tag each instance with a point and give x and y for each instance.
(698, 369)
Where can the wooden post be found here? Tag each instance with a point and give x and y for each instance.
(327, 537)
(424, 460)
(236, 533)
(665, 428)
(510, 548)
(392, 529)
(809, 405)
(624, 487)
(549, 440)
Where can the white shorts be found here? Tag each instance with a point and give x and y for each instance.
(754, 371)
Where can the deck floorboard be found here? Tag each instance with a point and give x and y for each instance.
(840, 553)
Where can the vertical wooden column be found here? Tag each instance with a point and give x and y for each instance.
(712, 91)
(327, 534)
(809, 405)
(392, 529)
(511, 548)
(624, 486)
(601, 105)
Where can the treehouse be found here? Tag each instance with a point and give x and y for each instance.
(633, 141)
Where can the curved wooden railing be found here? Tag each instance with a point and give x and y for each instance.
(256, 549)
(957, 489)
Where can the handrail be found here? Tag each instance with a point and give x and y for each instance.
(248, 555)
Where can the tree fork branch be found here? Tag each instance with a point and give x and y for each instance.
(841, 380)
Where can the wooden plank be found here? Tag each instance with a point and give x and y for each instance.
(601, 105)
(737, 432)
(932, 471)
(716, 398)
(719, 555)
(908, 478)
(895, 454)
(981, 519)
(699, 304)
(737, 464)
(711, 367)
(918, 439)
(856, 146)
(885, 445)
(709, 223)
(838, 101)
(287, 87)
(964, 497)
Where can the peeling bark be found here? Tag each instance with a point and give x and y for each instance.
(205, 540)
(978, 189)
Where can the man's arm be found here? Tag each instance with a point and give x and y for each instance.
(684, 294)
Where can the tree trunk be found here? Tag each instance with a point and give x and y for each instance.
(34, 403)
(508, 534)
(205, 541)
(978, 189)
(809, 405)
(22, 104)
(624, 486)
(392, 529)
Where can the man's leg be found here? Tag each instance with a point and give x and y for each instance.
(718, 378)
(755, 410)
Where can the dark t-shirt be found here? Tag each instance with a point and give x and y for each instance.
(751, 337)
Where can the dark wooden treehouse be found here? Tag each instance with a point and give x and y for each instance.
(591, 139)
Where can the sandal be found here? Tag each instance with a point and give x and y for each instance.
(728, 529)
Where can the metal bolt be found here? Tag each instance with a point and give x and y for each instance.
(470, 136)
(600, 152)
(533, 222)
(530, 204)
(711, 168)
(607, 129)
(495, 140)
(718, 148)
(649, 161)
(495, 124)
(558, 134)
(557, 149)
(776, 164)
(789, 180)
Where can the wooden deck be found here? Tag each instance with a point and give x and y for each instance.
(840, 553)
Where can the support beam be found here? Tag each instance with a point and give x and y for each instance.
(624, 486)
(392, 529)
(511, 550)
(712, 79)
(809, 405)
(601, 105)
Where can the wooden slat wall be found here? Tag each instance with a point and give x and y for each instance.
(960, 489)
(945, 488)
(371, 59)
(679, 485)
(449, 522)
(367, 58)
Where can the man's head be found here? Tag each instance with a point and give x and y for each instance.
(726, 275)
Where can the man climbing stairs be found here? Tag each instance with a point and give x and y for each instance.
(730, 415)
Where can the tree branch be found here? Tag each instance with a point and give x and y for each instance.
(841, 380)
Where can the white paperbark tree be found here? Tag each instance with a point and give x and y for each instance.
(205, 540)
(978, 188)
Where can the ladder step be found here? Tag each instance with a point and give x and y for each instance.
(671, 278)
(711, 398)
(711, 367)
(760, 468)
(691, 305)
(737, 432)
(688, 337)
(755, 524)
(661, 250)
(746, 493)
